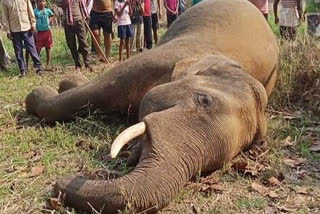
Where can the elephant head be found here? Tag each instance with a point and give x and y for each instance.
(192, 124)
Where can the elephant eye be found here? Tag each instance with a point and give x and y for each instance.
(204, 100)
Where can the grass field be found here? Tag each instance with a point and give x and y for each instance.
(281, 174)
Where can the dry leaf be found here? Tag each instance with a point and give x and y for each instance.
(286, 209)
(294, 162)
(212, 188)
(315, 147)
(272, 194)
(2, 181)
(243, 167)
(35, 171)
(288, 141)
(302, 173)
(302, 191)
(55, 203)
(209, 180)
(260, 189)
(300, 161)
(289, 117)
(274, 181)
(30, 154)
(33, 155)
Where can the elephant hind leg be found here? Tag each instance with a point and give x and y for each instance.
(37, 97)
(72, 81)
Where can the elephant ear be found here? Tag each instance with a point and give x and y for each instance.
(203, 65)
(181, 68)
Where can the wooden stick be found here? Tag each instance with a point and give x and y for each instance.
(96, 42)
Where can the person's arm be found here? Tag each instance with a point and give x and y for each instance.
(167, 8)
(142, 7)
(32, 18)
(5, 19)
(299, 7)
(275, 11)
(52, 16)
(119, 11)
(177, 8)
(130, 9)
(64, 4)
(88, 3)
(159, 8)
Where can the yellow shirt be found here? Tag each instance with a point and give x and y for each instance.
(17, 15)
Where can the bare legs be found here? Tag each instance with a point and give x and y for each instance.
(48, 53)
(155, 36)
(107, 43)
(125, 42)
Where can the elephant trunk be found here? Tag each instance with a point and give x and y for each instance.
(150, 187)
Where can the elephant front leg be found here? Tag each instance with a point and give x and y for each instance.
(72, 81)
(121, 89)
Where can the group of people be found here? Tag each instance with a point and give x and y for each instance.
(290, 15)
(27, 24)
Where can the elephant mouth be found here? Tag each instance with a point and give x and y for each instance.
(126, 136)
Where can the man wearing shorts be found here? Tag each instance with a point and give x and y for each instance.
(155, 7)
(101, 17)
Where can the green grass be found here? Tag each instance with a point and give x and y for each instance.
(258, 203)
(83, 145)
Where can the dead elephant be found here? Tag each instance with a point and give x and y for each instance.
(201, 96)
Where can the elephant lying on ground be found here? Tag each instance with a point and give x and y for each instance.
(201, 96)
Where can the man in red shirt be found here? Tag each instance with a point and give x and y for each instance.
(147, 24)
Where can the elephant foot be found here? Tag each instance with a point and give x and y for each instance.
(37, 97)
(72, 81)
(135, 154)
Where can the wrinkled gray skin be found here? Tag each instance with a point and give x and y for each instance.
(202, 93)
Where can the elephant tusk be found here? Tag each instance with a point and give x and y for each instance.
(124, 137)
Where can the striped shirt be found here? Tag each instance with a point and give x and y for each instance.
(67, 6)
(289, 3)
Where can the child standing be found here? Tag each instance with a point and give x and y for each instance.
(123, 11)
(137, 8)
(44, 36)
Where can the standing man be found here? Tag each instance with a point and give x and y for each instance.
(147, 24)
(101, 17)
(19, 22)
(75, 13)
(289, 17)
(155, 8)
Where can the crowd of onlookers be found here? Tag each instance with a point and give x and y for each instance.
(291, 14)
(27, 24)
